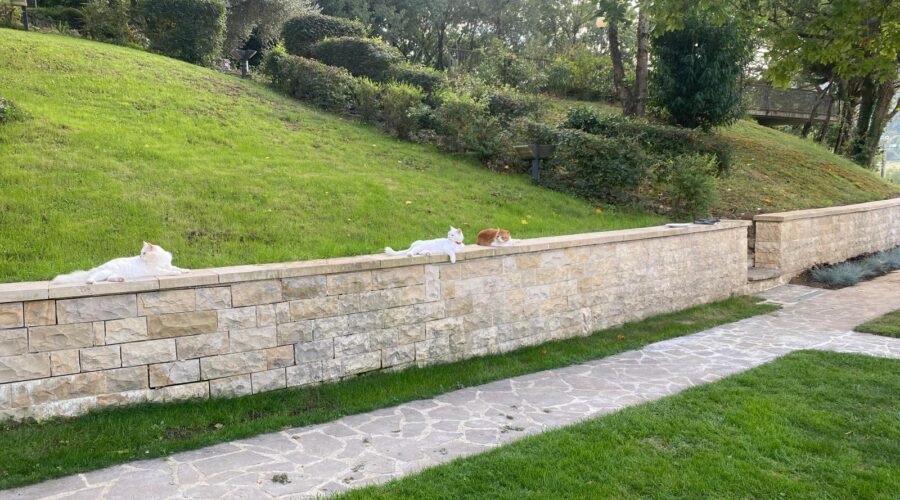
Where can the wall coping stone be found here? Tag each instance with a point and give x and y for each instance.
(827, 212)
(41, 290)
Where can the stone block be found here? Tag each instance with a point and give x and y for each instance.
(213, 298)
(418, 313)
(148, 352)
(183, 324)
(228, 365)
(400, 355)
(391, 297)
(444, 327)
(305, 374)
(120, 331)
(199, 346)
(292, 333)
(314, 351)
(280, 357)
(251, 339)
(366, 321)
(24, 367)
(342, 284)
(176, 372)
(265, 315)
(60, 337)
(242, 317)
(327, 328)
(252, 293)
(361, 363)
(40, 313)
(324, 306)
(356, 343)
(64, 363)
(99, 332)
(282, 312)
(96, 308)
(13, 342)
(19, 292)
(230, 387)
(184, 392)
(101, 358)
(398, 277)
(166, 302)
(11, 315)
(409, 334)
(49, 390)
(125, 379)
(269, 380)
(306, 287)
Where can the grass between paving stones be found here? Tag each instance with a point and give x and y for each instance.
(809, 425)
(34, 452)
(887, 325)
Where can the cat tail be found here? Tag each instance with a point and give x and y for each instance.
(391, 251)
(76, 277)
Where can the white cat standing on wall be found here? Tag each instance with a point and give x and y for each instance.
(153, 261)
(448, 246)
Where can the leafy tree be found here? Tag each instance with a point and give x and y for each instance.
(696, 73)
(266, 17)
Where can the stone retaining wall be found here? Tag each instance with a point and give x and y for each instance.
(234, 331)
(795, 241)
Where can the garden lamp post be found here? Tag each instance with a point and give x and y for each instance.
(244, 56)
(24, 4)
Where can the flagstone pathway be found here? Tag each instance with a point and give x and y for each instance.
(385, 444)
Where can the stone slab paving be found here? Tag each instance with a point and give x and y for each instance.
(385, 444)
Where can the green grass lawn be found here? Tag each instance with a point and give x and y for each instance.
(809, 425)
(33, 452)
(887, 325)
(121, 146)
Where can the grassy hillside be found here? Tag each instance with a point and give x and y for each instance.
(774, 171)
(121, 146)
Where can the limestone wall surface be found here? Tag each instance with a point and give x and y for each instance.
(234, 331)
(795, 241)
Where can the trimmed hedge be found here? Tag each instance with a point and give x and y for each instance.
(660, 140)
(324, 86)
(367, 57)
(594, 167)
(55, 15)
(302, 32)
(425, 78)
(400, 104)
(190, 30)
(510, 105)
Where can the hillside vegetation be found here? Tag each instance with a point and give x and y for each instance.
(119, 146)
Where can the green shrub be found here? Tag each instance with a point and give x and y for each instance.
(509, 104)
(9, 112)
(367, 98)
(367, 57)
(10, 16)
(691, 184)
(423, 77)
(302, 32)
(594, 167)
(324, 86)
(190, 30)
(53, 16)
(662, 141)
(696, 73)
(580, 74)
(401, 105)
(464, 124)
(107, 21)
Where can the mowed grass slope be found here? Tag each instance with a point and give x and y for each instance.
(774, 172)
(121, 146)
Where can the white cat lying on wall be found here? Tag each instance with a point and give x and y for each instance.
(153, 261)
(447, 246)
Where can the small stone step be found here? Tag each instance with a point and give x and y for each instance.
(762, 274)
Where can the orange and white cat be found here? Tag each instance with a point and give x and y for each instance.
(494, 238)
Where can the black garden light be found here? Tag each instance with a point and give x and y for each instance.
(24, 4)
(535, 153)
(244, 55)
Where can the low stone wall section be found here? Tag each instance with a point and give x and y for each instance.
(795, 241)
(241, 330)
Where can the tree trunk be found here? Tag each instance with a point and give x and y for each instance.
(641, 71)
(879, 114)
(615, 54)
(865, 107)
(442, 33)
(824, 129)
(820, 94)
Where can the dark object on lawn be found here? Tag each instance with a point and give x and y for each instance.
(244, 55)
(535, 153)
(706, 222)
(24, 4)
